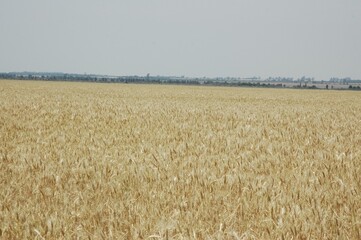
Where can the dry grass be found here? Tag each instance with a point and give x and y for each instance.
(80, 160)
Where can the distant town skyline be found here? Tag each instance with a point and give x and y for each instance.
(197, 38)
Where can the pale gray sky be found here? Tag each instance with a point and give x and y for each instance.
(240, 38)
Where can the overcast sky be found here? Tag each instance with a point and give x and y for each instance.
(240, 38)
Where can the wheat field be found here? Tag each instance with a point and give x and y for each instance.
(118, 161)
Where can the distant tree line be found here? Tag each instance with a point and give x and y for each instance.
(270, 83)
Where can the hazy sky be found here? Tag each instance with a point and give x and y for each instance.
(319, 38)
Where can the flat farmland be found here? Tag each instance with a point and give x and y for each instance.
(118, 161)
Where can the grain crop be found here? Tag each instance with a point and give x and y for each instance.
(119, 161)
